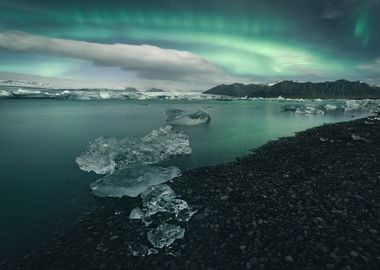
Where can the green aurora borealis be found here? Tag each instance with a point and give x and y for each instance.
(248, 40)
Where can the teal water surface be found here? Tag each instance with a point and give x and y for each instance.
(42, 190)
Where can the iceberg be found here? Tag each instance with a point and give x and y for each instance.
(309, 110)
(133, 181)
(178, 117)
(330, 107)
(110, 155)
(4, 93)
(22, 91)
(165, 234)
(353, 105)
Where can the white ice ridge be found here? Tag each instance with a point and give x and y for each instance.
(132, 181)
(178, 117)
(110, 155)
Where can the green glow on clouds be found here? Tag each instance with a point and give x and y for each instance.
(254, 45)
(362, 26)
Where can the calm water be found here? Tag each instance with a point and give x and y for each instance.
(41, 187)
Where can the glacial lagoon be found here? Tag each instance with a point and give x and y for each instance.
(43, 190)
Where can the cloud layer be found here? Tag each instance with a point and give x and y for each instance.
(149, 62)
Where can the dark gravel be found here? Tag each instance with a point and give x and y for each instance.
(311, 201)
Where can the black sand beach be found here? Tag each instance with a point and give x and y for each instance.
(311, 201)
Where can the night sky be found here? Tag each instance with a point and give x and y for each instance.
(183, 45)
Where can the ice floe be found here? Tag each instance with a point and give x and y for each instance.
(329, 107)
(4, 94)
(178, 117)
(309, 110)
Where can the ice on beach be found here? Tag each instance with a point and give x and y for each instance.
(165, 234)
(133, 181)
(110, 155)
(162, 199)
(182, 118)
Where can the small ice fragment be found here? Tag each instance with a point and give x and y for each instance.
(155, 198)
(140, 250)
(185, 214)
(136, 213)
(359, 138)
(173, 251)
(165, 235)
(152, 251)
(330, 107)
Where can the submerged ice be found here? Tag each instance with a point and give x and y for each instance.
(133, 181)
(182, 118)
(110, 155)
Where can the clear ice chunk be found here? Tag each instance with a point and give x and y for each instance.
(165, 235)
(178, 117)
(99, 156)
(161, 199)
(109, 155)
(132, 181)
(330, 107)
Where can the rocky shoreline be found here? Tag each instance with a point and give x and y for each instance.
(311, 201)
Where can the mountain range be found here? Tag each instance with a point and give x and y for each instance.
(308, 90)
